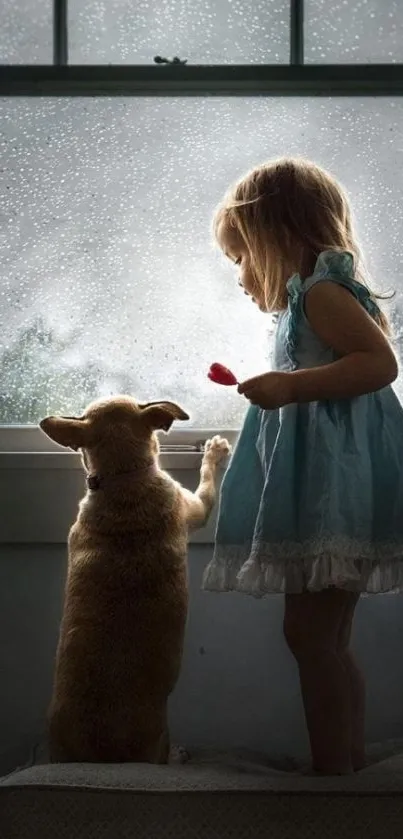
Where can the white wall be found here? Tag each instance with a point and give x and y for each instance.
(238, 685)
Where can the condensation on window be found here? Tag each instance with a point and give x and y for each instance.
(353, 31)
(26, 32)
(199, 31)
(109, 281)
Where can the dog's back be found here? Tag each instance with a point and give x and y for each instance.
(123, 624)
(121, 641)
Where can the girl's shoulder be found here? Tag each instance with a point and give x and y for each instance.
(336, 267)
(298, 345)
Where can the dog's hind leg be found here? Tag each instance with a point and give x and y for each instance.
(164, 747)
(178, 755)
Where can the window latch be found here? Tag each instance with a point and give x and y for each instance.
(158, 59)
(192, 448)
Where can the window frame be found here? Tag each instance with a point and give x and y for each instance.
(29, 440)
(181, 80)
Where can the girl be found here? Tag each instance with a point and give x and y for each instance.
(312, 502)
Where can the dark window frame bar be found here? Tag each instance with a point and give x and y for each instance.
(60, 32)
(293, 79)
(297, 9)
(222, 80)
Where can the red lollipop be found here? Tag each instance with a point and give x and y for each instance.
(221, 375)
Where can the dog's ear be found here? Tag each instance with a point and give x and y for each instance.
(71, 432)
(160, 415)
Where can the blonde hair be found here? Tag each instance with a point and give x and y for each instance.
(286, 212)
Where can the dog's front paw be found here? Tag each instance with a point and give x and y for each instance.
(217, 449)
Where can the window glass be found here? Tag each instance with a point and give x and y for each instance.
(108, 277)
(353, 31)
(201, 31)
(26, 31)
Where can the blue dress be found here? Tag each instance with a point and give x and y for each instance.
(313, 494)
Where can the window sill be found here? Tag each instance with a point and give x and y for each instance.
(29, 439)
(182, 460)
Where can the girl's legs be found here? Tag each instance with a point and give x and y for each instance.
(317, 626)
(357, 685)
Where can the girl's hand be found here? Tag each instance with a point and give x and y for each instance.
(269, 391)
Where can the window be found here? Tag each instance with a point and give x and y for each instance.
(201, 31)
(26, 32)
(108, 277)
(350, 31)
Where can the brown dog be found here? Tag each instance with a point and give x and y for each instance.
(126, 598)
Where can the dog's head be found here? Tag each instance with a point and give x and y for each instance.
(114, 431)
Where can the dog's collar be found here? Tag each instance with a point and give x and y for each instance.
(96, 481)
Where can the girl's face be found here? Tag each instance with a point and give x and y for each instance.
(237, 252)
(246, 280)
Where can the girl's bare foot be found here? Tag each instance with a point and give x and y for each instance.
(317, 628)
(348, 770)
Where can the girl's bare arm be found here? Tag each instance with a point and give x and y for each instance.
(367, 362)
